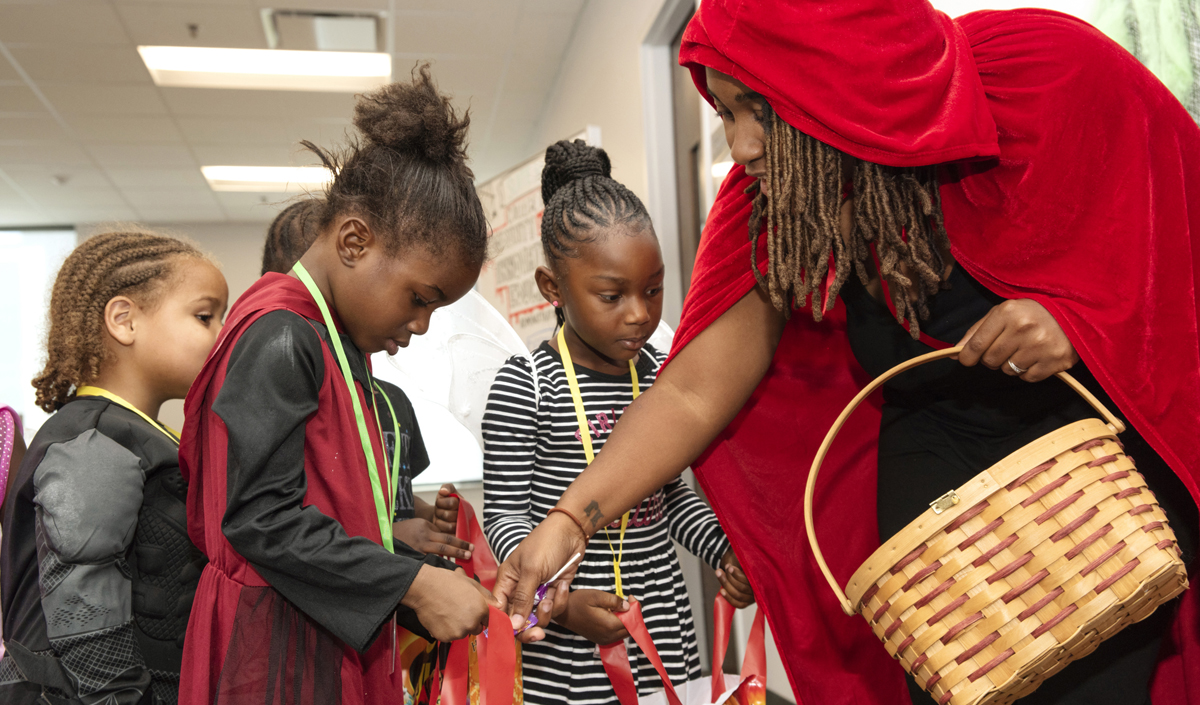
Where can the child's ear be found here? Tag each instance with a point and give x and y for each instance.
(353, 239)
(119, 319)
(547, 283)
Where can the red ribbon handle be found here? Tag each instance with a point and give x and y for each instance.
(482, 562)
(618, 669)
(496, 660)
(754, 663)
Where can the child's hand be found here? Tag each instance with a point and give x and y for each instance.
(735, 586)
(425, 537)
(445, 509)
(448, 603)
(589, 613)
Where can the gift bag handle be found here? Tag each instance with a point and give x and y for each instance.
(811, 486)
(616, 659)
(482, 562)
(497, 655)
(754, 663)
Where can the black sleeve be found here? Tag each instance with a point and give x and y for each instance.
(349, 585)
(418, 457)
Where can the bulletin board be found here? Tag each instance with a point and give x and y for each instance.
(512, 202)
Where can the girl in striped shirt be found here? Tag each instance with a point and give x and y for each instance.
(605, 279)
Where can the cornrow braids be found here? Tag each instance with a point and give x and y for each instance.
(580, 196)
(898, 209)
(127, 263)
(291, 234)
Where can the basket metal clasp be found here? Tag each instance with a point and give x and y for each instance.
(944, 502)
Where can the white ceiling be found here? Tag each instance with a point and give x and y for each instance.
(77, 105)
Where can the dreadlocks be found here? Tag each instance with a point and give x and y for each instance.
(134, 264)
(580, 196)
(896, 208)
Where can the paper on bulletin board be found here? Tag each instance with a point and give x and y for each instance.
(512, 202)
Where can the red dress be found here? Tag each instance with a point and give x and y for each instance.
(299, 621)
(1076, 184)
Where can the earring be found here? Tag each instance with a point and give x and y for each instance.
(554, 304)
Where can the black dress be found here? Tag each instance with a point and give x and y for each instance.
(943, 423)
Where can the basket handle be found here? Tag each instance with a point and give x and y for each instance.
(810, 487)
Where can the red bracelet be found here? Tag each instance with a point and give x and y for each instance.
(578, 523)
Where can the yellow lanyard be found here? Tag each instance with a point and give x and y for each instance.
(585, 435)
(89, 391)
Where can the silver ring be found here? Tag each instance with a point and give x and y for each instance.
(1019, 370)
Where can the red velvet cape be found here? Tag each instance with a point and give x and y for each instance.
(230, 587)
(1092, 209)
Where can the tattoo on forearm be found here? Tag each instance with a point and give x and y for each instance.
(593, 512)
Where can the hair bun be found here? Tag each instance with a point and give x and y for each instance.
(415, 118)
(570, 160)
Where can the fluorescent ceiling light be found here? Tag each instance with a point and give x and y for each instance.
(266, 179)
(720, 169)
(266, 69)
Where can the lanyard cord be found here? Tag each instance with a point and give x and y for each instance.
(90, 391)
(382, 505)
(585, 435)
(395, 446)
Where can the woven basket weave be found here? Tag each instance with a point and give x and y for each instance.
(1022, 570)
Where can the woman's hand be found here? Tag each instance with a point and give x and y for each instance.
(1020, 338)
(535, 560)
(425, 537)
(448, 603)
(735, 586)
(589, 614)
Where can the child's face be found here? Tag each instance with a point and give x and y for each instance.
(612, 292)
(176, 336)
(386, 299)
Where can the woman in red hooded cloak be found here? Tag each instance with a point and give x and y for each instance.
(1065, 175)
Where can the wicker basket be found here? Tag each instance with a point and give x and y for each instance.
(1022, 570)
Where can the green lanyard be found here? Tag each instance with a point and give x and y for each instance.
(383, 503)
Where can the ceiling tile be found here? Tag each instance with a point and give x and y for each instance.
(212, 130)
(553, 7)
(432, 33)
(152, 155)
(347, 5)
(182, 215)
(19, 98)
(461, 76)
(7, 72)
(195, 102)
(461, 6)
(128, 179)
(91, 99)
(216, 26)
(93, 63)
(42, 177)
(113, 214)
(544, 37)
(154, 199)
(244, 155)
(61, 24)
(53, 154)
(30, 128)
(129, 129)
(13, 216)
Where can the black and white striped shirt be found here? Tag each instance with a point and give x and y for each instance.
(532, 452)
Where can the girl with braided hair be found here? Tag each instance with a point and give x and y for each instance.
(1010, 181)
(97, 570)
(604, 276)
(290, 492)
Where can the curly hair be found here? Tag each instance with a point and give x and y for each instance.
(899, 208)
(408, 176)
(579, 196)
(137, 264)
(291, 234)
